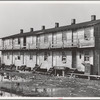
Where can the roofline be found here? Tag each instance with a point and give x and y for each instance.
(61, 28)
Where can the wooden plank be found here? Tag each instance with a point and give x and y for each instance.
(87, 75)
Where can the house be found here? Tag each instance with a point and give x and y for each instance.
(71, 46)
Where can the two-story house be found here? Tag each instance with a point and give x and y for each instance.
(72, 46)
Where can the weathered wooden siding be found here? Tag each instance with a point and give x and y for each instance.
(80, 59)
(46, 64)
(21, 42)
(30, 62)
(96, 68)
(50, 37)
(57, 59)
(6, 60)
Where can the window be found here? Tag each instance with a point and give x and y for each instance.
(18, 57)
(86, 56)
(18, 40)
(45, 56)
(87, 33)
(45, 38)
(63, 57)
(19, 54)
(31, 56)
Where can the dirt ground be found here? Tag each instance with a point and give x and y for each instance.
(58, 86)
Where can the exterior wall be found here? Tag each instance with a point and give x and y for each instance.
(80, 60)
(30, 41)
(46, 64)
(21, 42)
(50, 37)
(7, 43)
(7, 61)
(76, 35)
(96, 69)
(57, 59)
(30, 62)
(18, 62)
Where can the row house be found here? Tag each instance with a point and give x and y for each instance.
(72, 46)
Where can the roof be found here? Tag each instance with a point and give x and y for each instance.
(61, 28)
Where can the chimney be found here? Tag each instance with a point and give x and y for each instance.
(73, 21)
(21, 30)
(31, 29)
(56, 24)
(93, 17)
(43, 27)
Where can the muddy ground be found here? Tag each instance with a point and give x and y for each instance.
(53, 86)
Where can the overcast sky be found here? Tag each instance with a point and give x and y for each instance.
(21, 15)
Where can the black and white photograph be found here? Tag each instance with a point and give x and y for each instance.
(49, 49)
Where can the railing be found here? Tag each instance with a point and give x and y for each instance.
(79, 43)
(70, 44)
(58, 44)
(86, 43)
(16, 47)
(31, 46)
(44, 45)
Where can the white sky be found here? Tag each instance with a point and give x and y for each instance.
(17, 15)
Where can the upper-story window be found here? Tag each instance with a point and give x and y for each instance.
(18, 40)
(87, 33)
(45, 38)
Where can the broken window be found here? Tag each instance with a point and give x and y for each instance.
(63, 57)
(87, 33)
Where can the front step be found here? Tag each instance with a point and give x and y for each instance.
(70, 71)
(50, 71)
(36, 68)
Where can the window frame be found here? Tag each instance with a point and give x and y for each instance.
(87, 34)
